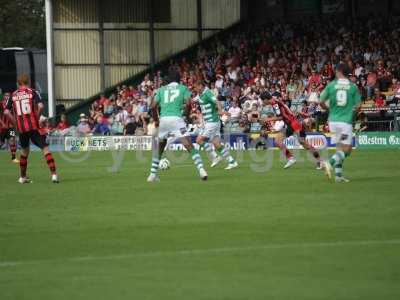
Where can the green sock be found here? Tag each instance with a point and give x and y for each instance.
(338, 170)
(197, 159)
(154, 165)
(224, 152)
(337, 158)
(210, 150)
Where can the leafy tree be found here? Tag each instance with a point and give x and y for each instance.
(22, 24)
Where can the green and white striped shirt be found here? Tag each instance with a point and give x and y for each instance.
(208, 105)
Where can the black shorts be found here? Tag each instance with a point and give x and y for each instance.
(7, 134)
(290, 131)
(32, 136)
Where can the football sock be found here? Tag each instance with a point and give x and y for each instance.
(23, 165)
(337, 158)
(224, 152)
(51, 163)
(13, 150)
(207, 146)
(338, 170)
(197, 159)
(154, 165)
(337, 161)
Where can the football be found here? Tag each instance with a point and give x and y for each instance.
(164, 164)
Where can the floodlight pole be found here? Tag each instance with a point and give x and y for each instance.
(50, 62)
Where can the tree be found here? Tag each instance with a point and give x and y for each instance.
(22, 24)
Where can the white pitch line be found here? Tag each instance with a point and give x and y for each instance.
(202, 251)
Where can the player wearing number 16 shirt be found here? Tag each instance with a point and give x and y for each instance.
(171, 101)
(24, 108)
(342, 98)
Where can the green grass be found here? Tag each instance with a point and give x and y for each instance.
(283, 234)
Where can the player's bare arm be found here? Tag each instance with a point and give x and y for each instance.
(155, 112)
(10, 116)
(40, 108)
(323, 105)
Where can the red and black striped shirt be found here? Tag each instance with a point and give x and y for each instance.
(24, 104)
(283, 111)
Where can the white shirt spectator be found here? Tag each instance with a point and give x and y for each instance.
(367, 56)
(232, 75)
(235, 112)
(338, 49)
(220, 81)
(358, 71)
(313, 97)
(83, 128)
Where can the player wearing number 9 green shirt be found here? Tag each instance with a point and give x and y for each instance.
(342, 98)
(172, 102)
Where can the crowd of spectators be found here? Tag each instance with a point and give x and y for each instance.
(293, 60)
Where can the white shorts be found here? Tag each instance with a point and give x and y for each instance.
(172, 127)
(211, 130)
(342, 132)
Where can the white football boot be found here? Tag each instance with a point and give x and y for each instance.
(216, 161)
(24, 180)
(203, 174)
(290, 163)
(153, 178)
(232, 166)
(54, 178)
(341, 179)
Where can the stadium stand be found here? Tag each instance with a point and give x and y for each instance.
(294, 59)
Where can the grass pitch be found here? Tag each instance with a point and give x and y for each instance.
(281, 234)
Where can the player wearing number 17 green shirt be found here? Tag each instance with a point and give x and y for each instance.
(171, 100)
(211, 110)
(342, 98)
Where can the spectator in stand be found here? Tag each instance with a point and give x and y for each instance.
(380, 99)
(361, 123)
(313, 95)
(254, 114)
(235, 112)
(63, 126)
(395, 92)
(130, 127)
(83, 127)
(101, 127)
(143, 114)
(314, 80)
